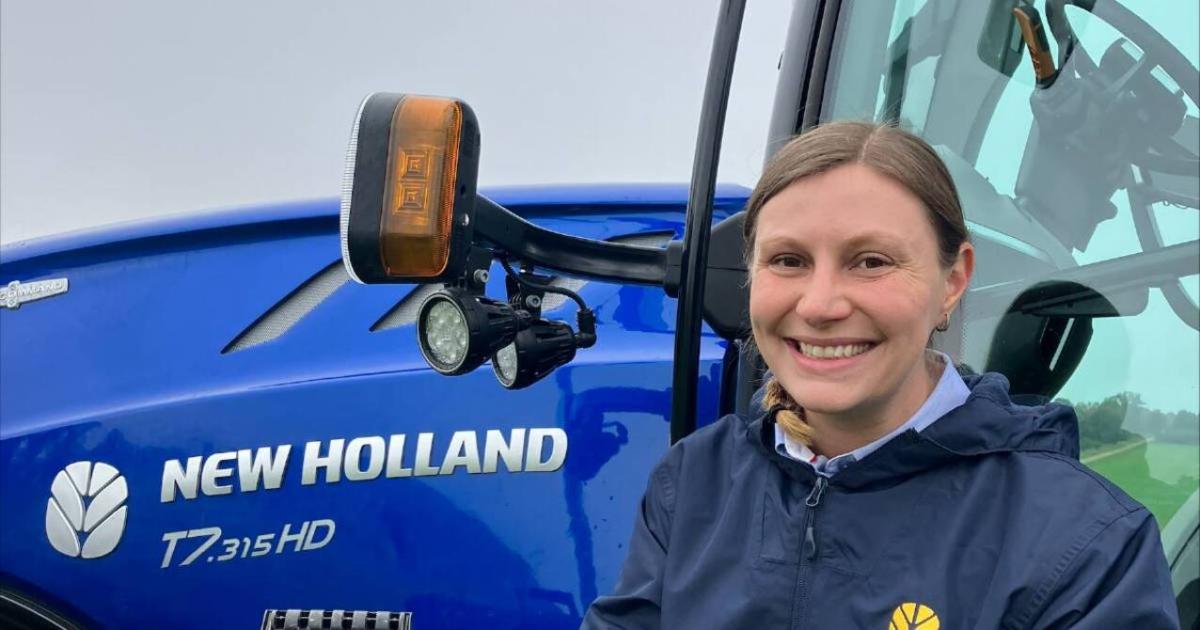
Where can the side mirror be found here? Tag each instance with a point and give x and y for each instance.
(726, 291)
(409, 194)
(1042, 338)
(1001, 45)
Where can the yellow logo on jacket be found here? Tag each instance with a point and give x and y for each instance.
(910, 616)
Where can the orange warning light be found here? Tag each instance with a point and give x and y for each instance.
(414, 233)
(411, 186)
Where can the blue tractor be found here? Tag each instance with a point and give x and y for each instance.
(245, 419)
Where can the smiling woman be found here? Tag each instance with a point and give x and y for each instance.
(850, 275)
(877, 485)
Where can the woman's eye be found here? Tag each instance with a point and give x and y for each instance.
(787, 260)
(872, 262)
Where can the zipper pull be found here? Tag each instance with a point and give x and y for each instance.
(813, 500)
(814, 497)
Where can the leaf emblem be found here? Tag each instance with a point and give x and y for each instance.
(59, 530)
(106, 535)
(110, 498)
(64, 493)
(86, 505)
(102, 474)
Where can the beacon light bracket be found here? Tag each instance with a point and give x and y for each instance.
(543, 346)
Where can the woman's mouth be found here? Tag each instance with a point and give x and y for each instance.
(829, 355)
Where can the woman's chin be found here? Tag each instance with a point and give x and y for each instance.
(829, 408)
(834, 399)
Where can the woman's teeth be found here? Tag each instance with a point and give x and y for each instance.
(832, 352)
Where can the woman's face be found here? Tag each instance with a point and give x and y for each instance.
(845, 289)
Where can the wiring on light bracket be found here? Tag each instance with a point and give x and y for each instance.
(543, 346)
(532, 284)
(459, 327)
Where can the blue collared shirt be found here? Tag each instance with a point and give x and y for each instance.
(950, 392)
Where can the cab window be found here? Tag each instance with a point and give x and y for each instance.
(1081, 196)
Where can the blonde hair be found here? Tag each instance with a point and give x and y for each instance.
(888, 150)
(788, 414)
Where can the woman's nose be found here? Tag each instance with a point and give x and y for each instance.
(822, 299)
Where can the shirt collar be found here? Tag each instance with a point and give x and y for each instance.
(950, 392)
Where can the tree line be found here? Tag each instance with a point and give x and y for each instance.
(1123, 416)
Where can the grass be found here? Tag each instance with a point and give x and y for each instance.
(1161, 475)
(1109, 449)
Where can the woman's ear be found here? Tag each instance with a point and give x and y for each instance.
(959, 277)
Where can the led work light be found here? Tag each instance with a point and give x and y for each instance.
(535, 352)
(409, 191)
(458, 331)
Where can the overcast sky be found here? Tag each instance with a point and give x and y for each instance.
(112, 111)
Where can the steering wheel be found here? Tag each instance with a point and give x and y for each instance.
(1169, 156)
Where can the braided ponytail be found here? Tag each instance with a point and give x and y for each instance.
(788, 414)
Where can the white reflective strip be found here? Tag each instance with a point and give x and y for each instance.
(347, 191)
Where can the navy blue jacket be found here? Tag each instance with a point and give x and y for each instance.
(984, 520)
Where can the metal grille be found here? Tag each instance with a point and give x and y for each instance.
(291, 309)
(405, 311)
(297, 619)
(552, 301)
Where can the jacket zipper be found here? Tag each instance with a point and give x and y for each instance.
(810, 549)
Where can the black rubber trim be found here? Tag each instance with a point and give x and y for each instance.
(465, 178)
(818, 66)
(793, 72)
(370, 178)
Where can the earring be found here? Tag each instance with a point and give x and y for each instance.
(944, 325)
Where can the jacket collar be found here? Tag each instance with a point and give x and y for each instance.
(988, 422)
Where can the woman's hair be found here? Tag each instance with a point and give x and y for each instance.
(885, 149)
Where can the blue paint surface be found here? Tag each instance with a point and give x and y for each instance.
(127, 368)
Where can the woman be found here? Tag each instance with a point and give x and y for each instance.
(878, 488)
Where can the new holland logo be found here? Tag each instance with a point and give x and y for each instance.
(910, 616)
(85, 515)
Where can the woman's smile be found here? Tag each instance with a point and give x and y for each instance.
(829, 356)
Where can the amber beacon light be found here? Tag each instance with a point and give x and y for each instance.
(409, 191)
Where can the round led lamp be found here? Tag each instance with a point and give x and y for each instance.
(458, 331)
(535, 352)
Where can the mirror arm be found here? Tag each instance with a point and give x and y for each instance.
(583, 257)
(1108, 277)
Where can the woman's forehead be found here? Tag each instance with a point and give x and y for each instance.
(851, 186)
(851, 216)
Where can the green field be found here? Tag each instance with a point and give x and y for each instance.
(1159, 474)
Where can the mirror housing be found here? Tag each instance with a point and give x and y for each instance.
(408, 196)
(1041, 339)
(1000, 44)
